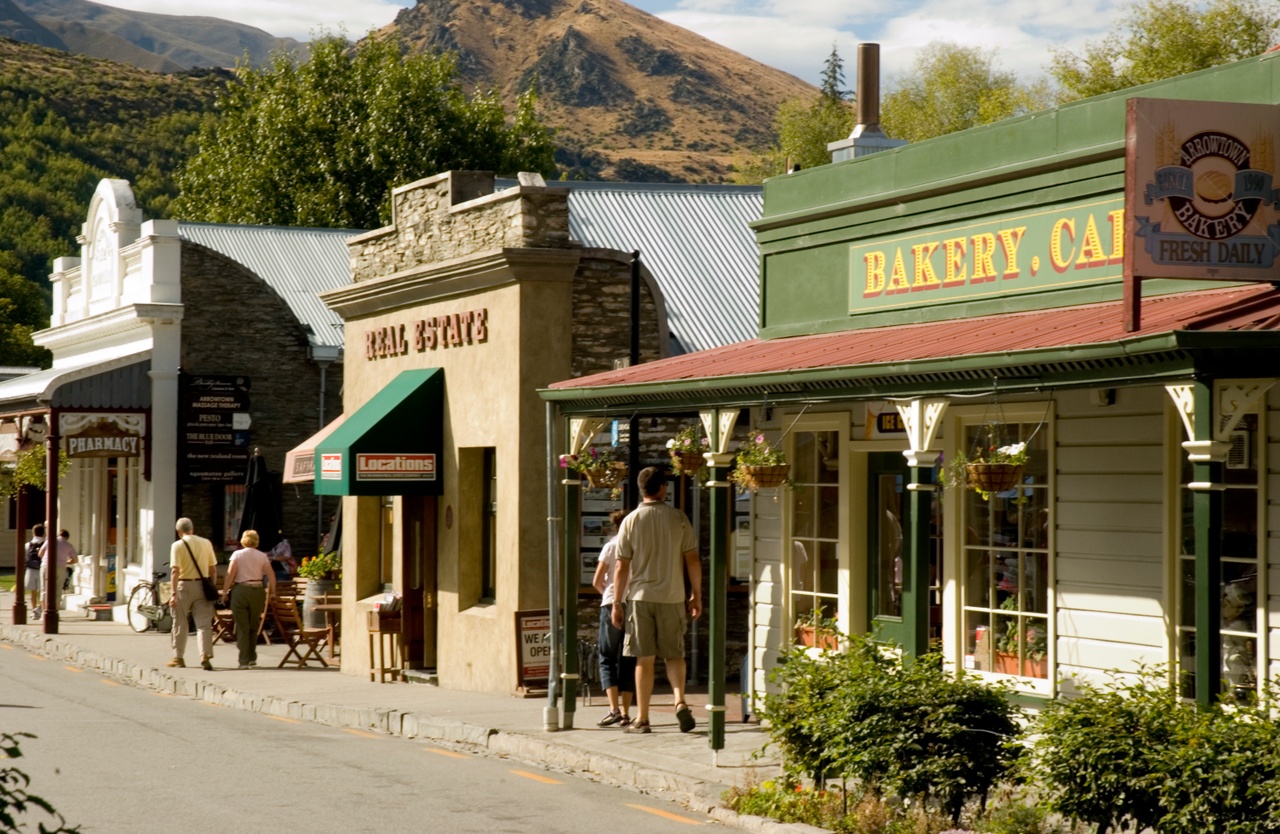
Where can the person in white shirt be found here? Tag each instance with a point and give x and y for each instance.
(617, 671)
(64, 555)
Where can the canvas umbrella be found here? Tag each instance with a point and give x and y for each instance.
(261, 503)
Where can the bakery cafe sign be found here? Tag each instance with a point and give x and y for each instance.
(453, 330)
(99, 435)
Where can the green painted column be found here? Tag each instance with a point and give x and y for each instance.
(915, 579)
(721, 502)
(1207, 457)
(569, 595)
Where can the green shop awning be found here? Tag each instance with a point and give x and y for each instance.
(391, 445)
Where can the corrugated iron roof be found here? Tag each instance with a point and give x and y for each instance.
(1242, 308)
(694, 240)
(296, 263)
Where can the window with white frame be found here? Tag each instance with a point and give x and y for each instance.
(1242, 506)
(814, 500)
(1004, 560)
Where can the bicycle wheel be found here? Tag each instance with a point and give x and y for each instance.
(143, 595)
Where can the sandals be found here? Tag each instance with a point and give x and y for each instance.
(685, 717)
(610, 719)
(641, 726)
(624, 721)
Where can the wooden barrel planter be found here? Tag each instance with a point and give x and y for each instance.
(765, 477)
(993, 477)
(608, 476)
(315, 594)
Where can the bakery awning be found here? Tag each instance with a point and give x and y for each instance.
(391, 445)
(300, 461)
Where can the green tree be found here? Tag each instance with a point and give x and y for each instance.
(323, 143)
(1163, 38)
(804, 127)
(951, 88)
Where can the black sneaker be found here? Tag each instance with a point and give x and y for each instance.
(685, 717)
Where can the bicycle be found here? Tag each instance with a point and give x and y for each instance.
(146, 610)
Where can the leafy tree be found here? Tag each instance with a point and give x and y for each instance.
(324, 142)
(951, 88)
(1163, 38)
(804, 128)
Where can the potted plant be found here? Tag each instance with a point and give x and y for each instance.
(324, 566)
(602, 466)
(759, 464)
(687, 449)
(322, 573)
(990, 468)
(813, 630)
(1015, 640)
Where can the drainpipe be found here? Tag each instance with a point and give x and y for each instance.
(323, 356)
(631, 492)
(551, 712)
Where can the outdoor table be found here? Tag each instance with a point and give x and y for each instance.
(332, 621)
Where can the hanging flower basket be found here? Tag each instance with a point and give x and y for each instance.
(993, 477)
(610, 475)
(763, 477)
(687, 463)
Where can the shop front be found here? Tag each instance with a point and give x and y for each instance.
(1004, 294)
(159, 391)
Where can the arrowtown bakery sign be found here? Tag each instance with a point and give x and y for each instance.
(454, 330)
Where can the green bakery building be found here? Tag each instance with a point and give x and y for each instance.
(1098, 282)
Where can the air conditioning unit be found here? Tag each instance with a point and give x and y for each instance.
(1240, 453)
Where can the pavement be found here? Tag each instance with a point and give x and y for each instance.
(666, 763)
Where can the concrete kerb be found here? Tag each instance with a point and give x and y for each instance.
(694, 793)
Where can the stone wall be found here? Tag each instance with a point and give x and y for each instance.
(454, 215)
(602, 313)
(236, 324)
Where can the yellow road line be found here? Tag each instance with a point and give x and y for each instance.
(107, 682)
(6, 646)
(161, 694)
(441, 752)
(73, 668)
(537, 777)
(360, 733)
(282, 718)
(667, 815)
(37, 657)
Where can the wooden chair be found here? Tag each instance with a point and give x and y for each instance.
(224, 625)
(304, 643)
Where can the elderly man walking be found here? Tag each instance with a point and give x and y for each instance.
(191, 557)
(656, 548)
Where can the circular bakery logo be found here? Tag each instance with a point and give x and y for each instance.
(1209, 209)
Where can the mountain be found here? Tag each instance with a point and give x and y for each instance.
(632, 96)
(19, 26)
(158, 42)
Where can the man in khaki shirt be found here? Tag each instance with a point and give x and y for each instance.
(191, 556)
(656, 547)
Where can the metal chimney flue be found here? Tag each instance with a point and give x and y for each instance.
(868, 100)
(867, 137)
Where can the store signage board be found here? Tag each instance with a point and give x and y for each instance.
(533, 635)
(102, 435)
(1200, 193)
(330, 467)
(215, 421)
(395, 467)
(1059, 247)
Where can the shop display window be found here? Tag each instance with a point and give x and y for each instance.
(1242, 507)
(1004, 564)
(815, 527)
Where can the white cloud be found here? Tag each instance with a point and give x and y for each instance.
(284, 18)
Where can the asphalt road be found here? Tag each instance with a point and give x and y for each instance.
(114, 758)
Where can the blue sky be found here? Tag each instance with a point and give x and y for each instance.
(792, 35)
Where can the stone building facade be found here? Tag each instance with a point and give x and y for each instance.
(486, 289)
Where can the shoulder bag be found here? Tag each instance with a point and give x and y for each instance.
(206, 582)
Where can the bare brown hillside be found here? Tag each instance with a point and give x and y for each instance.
(631, 96)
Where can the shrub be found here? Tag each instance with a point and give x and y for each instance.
(1135, 755)
(912, 730)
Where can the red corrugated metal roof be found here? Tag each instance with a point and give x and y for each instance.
(1251, 307)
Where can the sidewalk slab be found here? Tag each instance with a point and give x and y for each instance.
(666, 763)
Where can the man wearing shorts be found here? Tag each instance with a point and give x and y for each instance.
(656, 548)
